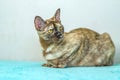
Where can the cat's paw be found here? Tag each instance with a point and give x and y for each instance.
(62, 65)
(50, 65)
(47, 65)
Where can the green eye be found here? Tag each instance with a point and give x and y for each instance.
(50, 31)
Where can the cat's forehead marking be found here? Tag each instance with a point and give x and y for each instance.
(57, 24)
(51, 26)
(50, 20)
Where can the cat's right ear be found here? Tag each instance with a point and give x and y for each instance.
(39, 23)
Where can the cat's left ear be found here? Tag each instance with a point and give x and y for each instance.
(57, 14)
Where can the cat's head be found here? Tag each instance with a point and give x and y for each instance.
(50, 29)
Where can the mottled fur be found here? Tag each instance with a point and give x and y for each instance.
(79, 47)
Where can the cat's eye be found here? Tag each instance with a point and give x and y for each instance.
(50, 30)
(61, 28)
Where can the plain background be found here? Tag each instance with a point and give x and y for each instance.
(18, 37)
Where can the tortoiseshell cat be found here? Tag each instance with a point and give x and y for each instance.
(79, 47)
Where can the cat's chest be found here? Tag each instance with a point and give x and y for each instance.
(50, 53)
(53, 52)
(50, 48)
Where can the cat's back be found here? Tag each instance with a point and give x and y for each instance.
(84, 31)
(81, 32)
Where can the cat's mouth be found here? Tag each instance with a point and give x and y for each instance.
(57, 37)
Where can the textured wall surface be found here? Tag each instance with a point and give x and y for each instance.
(18, 37)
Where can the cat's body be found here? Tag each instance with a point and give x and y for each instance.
(79, 47)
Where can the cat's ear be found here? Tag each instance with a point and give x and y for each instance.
(39, 23)
(57, 14)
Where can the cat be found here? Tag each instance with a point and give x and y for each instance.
(79, 47)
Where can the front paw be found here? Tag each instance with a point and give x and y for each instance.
(62, 65)
(53, 66)
(47, 65)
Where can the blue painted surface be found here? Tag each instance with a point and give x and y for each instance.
(12, 70)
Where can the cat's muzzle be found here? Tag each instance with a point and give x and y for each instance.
(58, 35)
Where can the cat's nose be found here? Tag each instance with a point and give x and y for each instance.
(58, 34)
